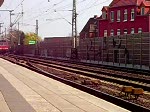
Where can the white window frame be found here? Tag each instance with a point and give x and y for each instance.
(118, 32)
(142, 10)
(132, 15)
(118, 15)
(92, 27)
(111, 32)
(139, 30)
(132, 30)
(125, 31)
(105, 33)
(104, 15)
(112, 16)
(85, 35)
(125, 15)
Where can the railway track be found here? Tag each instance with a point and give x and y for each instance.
(124, 69)
(85, 80)
(119, 77)
(100, 75)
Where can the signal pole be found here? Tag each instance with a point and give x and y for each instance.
(74, 24)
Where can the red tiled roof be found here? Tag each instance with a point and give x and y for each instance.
(106, 7)
(138, 2)
(117, 3)
(146, 3)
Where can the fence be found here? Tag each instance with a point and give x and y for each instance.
(125, 50)
(59, 49)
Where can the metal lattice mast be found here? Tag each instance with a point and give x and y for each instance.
(74, 24)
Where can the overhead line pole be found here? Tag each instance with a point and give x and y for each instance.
(37, 27)
(1, 28)
(10, 11)
(74, 51)
(11, 41)
(5, 32)
(18, 34)
(74, 24)
(37, 47)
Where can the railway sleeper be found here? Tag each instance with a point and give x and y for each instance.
(94, 82)
(69, 77)
(131, 92)
(86, 82)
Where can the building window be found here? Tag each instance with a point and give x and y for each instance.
(112, 32)
(142, 11)
(132, 30)
(112, 16)
(125, 15)
(118, 32)
(125, 31)
(118, 16)
(105, 33)
(104, 15)
(85, 35)
(140, 30)
(132, 15)
(92, 27)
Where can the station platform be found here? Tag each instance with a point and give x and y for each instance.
(22, 90)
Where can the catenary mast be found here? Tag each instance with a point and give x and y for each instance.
(74, 24)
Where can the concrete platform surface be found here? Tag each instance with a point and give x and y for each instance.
(22, 90)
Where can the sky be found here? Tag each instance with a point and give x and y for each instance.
(54, 16)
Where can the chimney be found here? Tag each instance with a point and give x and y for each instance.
(95, 16)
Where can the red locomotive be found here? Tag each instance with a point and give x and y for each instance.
(4, 46)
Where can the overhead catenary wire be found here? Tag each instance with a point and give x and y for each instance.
(44, 9)
(53, 4)
(40, 15)
(47, 10)
(16, 20)
(52, 8)
(7, 7)
(93, 5)
(15, 8)
(19, 5)
(35, 7)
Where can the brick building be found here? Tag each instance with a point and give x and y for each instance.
(1, 2)
(124, 17)
(88, 30)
